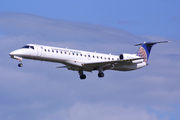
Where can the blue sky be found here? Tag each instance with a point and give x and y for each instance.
(39, 91)
(150, 17)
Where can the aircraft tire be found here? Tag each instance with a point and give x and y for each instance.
(20, 65)
(82, 76)
(100, 75)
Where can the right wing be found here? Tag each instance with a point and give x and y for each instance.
(106, 64)
(110, 63)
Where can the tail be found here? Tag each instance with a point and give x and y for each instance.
(145, 49)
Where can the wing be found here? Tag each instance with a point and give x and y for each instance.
(111, 63)
(105, 65)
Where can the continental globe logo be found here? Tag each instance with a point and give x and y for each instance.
(142, 53)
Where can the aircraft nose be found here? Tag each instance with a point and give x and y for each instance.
(16, 52)
(12, 53)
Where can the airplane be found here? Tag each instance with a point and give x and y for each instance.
(78, 60)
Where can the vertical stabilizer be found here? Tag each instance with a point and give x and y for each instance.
(145, 49)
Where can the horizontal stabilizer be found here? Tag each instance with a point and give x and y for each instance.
(151, 43)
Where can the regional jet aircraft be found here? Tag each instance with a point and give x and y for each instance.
(81, 61)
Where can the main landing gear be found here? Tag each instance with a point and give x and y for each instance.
(82, 76)
(100, 74)
(20, 65)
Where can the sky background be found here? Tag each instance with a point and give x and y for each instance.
(38, 91)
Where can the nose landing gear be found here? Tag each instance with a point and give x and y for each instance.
(20, 65)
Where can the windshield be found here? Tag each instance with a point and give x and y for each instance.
(26, 46)
(32, 47)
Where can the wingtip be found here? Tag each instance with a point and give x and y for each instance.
(169, 41)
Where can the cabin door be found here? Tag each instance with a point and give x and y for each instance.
(39, 51)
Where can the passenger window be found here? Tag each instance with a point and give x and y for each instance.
(81, 54)
(93, 56)
(69, 53)
(84, 55)
(52, 50)
(73, 53)
(45, 50)
(77, 54)
(105, 58)
(108, 58)
(97, 57)
(61, 52)
(65, 52)
(88, 55)
(112, 58)
(48, 50)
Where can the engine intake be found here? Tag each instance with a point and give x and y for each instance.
(121, 56)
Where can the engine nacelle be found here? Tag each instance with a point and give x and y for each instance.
(127, 56)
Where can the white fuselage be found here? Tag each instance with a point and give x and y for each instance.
(78, 60)
(73, 59)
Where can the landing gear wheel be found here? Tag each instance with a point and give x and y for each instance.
(20, 65)
(83, 76)
(100, 75)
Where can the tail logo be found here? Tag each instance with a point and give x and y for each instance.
(142, 53)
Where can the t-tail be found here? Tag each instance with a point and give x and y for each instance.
(145, 49)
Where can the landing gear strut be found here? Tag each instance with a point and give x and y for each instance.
(20, 65)
(82, 76)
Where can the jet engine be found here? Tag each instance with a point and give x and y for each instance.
(127, 56)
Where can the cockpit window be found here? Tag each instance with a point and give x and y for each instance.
(32, 47)
(26, 46)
